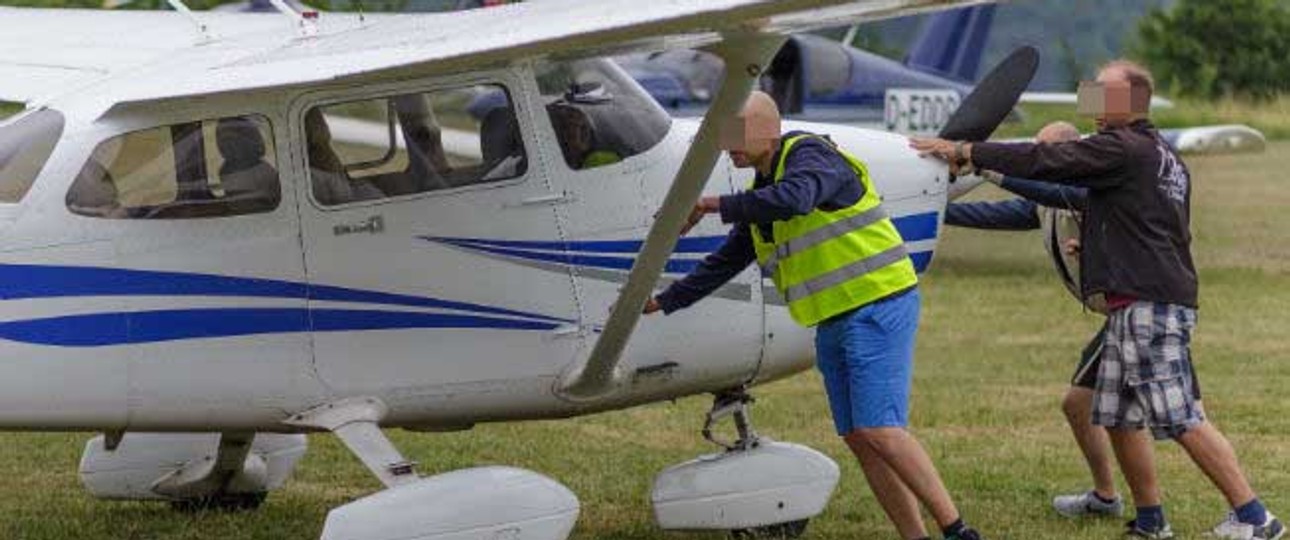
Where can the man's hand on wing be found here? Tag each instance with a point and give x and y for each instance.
(652, 306)
(705, 206)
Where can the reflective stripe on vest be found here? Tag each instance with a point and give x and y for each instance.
(822, 235)
(845, 274)
(828, 263)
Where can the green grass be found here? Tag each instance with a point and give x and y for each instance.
(1272, 118)
(999, 339)
(8, 108)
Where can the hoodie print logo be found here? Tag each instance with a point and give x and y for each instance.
(1174, 180)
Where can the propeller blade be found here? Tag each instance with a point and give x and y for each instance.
(993, 98)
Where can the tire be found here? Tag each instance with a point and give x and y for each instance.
(239, 502)
(778, 531)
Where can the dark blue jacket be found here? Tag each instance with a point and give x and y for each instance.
(1137, 236)
(815, 176)
(1016, 214)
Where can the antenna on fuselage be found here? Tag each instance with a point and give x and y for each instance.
(306, 22)
(178, 5)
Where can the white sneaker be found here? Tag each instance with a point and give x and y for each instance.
(1087, 504)
(1233, 529)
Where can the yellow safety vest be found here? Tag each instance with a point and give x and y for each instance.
(828, 263)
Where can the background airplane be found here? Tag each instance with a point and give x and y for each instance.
(816, 78)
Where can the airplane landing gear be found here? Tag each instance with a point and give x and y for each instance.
(779, 531)
(229, 502)
(732, 403)
(483, 502)
(754, 488)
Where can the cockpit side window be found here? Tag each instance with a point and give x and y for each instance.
(413, 143)
(201, 169)
(600, 116)
(25, 145)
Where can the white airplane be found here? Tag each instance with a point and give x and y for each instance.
(192, 267)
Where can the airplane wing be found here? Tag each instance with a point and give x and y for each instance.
(47, 51)
(42, 50)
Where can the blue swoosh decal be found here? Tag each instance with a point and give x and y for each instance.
(921, 260)
(675, 266)
(917, 227)
(39, 281)
(103, 329)
(912, 228)
(698, 244)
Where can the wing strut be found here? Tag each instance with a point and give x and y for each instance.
(744, 53)
(178, 5)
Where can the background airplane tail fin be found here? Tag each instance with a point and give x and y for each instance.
(951, 42)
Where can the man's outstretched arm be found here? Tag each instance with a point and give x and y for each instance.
(1050, 195)
(714, 271)
(1009, 215)
(1094, 162)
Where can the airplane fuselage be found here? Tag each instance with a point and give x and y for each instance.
(452, 306)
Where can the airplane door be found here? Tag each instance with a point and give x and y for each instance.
(205, 273)
(617, 154)
(426, 223)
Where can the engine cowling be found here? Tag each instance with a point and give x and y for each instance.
(182, 467)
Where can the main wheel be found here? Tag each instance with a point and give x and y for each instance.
(778, 531)
(239, 502)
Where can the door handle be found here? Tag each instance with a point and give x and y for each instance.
(552, 198)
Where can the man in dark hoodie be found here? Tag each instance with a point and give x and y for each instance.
(1136, 254)
(1027, 212)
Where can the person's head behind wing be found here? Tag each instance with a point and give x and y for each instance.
(754, 134)
(1056, 132)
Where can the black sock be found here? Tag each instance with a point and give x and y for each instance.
(1151, 518)
(1102, 499)
(954, 529)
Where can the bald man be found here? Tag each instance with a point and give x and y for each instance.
(1136, 255)
(815, 224)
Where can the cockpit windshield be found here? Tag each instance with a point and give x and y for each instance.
(25, 145)
(600, 115)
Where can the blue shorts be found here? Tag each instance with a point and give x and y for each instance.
(867, 358)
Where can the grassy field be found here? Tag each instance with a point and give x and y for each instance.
(998, 342)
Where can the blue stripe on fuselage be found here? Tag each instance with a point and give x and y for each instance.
(921, 260)
(912, 228)
(590, 254)
(698, 244)
(674, 266)
(915, 227)
(104, 329)
(41, 281)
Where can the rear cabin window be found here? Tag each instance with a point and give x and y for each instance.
(204, 169)
(413, 143)
(599, 115)
(25, 145)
